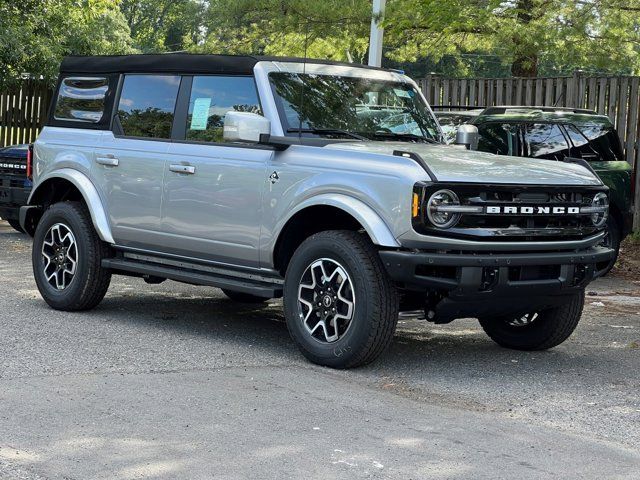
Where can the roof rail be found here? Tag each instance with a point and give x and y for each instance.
(457, 107)
(499, 110)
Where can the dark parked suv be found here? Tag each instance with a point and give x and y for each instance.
(15, 185)
(560, 133)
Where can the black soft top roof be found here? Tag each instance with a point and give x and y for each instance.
(177, 63)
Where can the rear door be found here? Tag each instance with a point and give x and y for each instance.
(130, 159)
(212, 200)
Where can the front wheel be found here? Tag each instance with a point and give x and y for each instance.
(340, 305)
(536, 330)
(67, 258)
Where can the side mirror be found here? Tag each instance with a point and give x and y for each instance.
(468, 136)
(245, 127)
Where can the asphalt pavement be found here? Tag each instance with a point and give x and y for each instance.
(172, 381)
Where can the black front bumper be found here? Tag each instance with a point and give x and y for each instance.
(11, 199)
(491, 284)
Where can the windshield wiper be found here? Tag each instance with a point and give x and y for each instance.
(405, 136)
(327, 131)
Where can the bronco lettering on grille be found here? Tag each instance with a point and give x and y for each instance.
(532, 210)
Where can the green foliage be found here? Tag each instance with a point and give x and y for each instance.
(36, 34)
(164, 25)
(332, 29)
(534, 36)
(451, 37)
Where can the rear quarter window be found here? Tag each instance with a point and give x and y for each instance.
(81, 99)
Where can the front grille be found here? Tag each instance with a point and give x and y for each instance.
(514, 226)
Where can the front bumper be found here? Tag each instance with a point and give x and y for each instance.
(492, 284)
(11, 199)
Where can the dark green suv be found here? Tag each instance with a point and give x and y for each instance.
(561, 134)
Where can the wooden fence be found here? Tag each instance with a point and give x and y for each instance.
(23, 111)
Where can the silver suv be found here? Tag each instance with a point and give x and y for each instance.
(327, 184)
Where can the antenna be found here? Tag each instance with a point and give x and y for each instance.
(304, 71)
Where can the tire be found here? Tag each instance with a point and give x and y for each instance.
(15, 224)
(612, 240)
(357, 277)
(69, 289)
(243, 297)
(549, 328)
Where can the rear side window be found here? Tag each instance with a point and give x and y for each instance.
(147, 104)
(81, 99)
(604, 139)
(546, 141)
(211, 98)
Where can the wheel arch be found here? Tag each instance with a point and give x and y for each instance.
(68, 184)
(328, 212)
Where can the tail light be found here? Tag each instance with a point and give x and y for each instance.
(30, 162)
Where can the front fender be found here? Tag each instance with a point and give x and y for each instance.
(373, 224)
(89, 194)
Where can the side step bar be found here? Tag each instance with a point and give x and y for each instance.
(195, 274)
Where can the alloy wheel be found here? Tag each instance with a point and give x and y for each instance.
(60, 256)
(326, 300)
(524, 320)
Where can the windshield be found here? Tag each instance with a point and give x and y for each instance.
(352, 107)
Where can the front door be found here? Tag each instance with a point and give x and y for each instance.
(212, 200)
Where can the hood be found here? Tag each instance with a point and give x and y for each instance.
(454, 164)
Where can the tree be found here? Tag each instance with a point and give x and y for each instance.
(164, 25)
(333, 29)
(525, 37)
(532, 35)
(36, 34)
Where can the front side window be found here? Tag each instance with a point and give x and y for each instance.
(500, 138)
(81, 99)
(147, 105)
(211, 98)
(344, 107)
(546, 140)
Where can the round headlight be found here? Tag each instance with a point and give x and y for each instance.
(600, 200)
(441, 218)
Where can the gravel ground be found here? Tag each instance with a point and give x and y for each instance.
(173, 381)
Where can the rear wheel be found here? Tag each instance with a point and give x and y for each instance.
(340, 305)
(67, 258)
(243, 297)
(15, 224)
(536, 330)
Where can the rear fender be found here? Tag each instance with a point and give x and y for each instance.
(89, 194)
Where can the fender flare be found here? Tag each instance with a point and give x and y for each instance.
(89, 194)
(373, 224)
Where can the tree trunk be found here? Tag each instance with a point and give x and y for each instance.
(525, 66)
(525, 62)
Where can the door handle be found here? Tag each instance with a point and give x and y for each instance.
(109, 161)
(188, 169)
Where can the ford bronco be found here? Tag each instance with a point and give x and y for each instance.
(327, 184)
